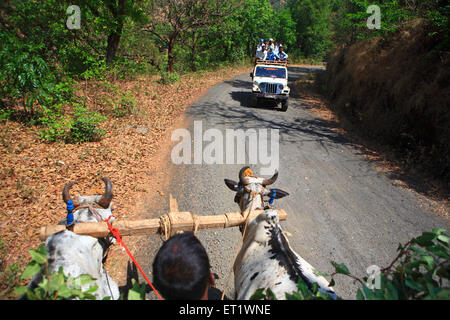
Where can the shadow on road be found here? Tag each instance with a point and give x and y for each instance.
(295, 129)
(245, 99)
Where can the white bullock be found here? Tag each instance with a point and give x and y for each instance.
(266, 259)
(79, 254)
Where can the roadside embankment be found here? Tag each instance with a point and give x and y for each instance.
(396, 92)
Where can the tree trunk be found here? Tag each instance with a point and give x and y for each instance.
(170, 56)
(113, 45)
(193, 52)
(114, 37)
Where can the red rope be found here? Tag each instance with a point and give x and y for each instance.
(118, 236)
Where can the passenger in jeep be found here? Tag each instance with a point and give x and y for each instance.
(282, 56)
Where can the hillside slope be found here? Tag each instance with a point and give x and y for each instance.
(396, 92)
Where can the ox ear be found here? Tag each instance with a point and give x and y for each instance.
(232, 185)
(280, 193)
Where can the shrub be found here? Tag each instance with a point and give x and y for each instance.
(84, 125)
(56, 285)
(56, 130)
(125, 106)
(9, 275)
(421, 271)
(168, 77)
(56, 125)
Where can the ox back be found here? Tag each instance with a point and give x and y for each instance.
(266, 260)
(81, 255)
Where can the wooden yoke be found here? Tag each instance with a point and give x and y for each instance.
(174, 221)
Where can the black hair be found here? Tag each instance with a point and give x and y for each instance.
(181, 269)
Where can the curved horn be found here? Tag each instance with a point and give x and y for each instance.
(243, 180)
(66, 193)
(107, 196)
(272, 180)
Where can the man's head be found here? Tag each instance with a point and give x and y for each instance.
(280, 48)
(181, 269)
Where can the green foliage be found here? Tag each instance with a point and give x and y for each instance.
(84, 125)
(421, 271)
(119, 103)
(350, 18)
(302, 293)
(137, 292)
(9, 275)
(438, 14)
(312, 26)
(24, 75)
(55, 285)
(56, 125)
(81, 127)
(41, 59)
(263, 294)
(125, 106)
(168, 77)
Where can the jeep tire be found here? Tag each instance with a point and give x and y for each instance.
(284, 105)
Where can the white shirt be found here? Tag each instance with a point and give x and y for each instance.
(283, 55)
(261, 55)
(275, 50)
(259, 52)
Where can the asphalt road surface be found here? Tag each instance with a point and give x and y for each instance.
(339, 208)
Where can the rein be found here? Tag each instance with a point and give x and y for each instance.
(240, 243)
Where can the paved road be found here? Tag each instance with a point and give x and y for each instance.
(340, 208)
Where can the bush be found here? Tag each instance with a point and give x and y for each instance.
(125, 106)
(83, 126)
(421, 271)
(57, 125)
(168, 77)
(54, 286)
(24, 75)
(9, 275)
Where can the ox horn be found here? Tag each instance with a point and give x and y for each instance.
(272, 180)
(66, 193)
(243, 180)
(107, 196)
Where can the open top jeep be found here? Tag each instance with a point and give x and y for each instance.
(270, 82)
